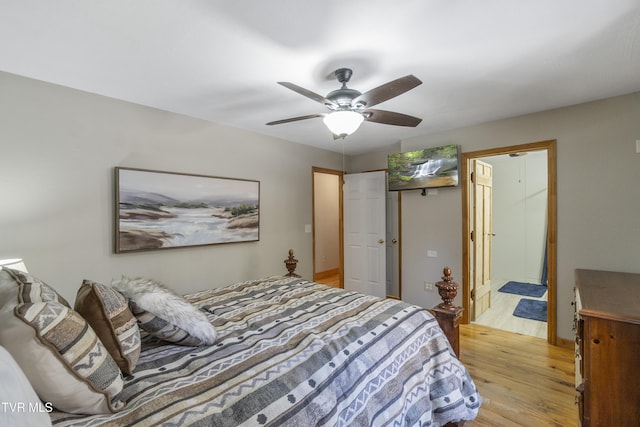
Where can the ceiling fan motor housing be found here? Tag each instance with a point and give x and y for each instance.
(342, 97)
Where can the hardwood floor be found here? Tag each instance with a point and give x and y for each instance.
(500, 314)
(332, 280)
(523, 380)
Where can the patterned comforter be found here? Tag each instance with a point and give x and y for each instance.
(296, 353)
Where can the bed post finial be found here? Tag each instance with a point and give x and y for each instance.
(291, 264)
(447, 314)
(448, 289)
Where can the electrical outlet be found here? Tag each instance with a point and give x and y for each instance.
(428, 286)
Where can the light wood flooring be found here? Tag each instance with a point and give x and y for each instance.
(333, 280)
(523, 380)
(500, 314)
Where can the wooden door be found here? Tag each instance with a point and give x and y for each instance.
(364, 233)
(482, 235)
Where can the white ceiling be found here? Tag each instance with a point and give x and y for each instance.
(220, 60)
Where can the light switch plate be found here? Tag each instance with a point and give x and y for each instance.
(432, 254)
(307, 228)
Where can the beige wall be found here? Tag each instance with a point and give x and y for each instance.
(371, 161)
(598, 196)
(58, 150)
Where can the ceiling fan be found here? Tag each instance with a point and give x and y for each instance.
(348, 108)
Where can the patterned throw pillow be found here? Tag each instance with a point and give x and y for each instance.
(10, 281)
(165, 314)
(108, 313)
(58, 351)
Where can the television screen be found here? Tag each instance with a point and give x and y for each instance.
(428, 168)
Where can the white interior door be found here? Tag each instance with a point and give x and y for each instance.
(364, 233)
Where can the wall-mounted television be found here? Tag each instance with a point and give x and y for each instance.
(428, 168)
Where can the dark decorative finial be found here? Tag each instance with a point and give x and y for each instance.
(448, 289)
(291, 264)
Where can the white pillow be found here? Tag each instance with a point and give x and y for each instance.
(21, 405)
(165, 314)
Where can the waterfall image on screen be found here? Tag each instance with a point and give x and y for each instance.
(427, 168)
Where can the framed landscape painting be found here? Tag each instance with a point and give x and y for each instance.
(159, 210)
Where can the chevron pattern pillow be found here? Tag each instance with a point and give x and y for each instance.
(11, 294)
(61, 355)
(107, 311)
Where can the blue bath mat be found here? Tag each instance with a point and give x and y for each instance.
(525, 289)
(531, 309)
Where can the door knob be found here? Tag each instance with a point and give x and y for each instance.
(381, 241)
(394, 241)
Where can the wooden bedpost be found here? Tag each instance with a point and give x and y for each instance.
(448, 314)
(291, 264)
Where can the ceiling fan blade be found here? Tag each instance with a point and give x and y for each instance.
(305, 92)
(295, 119)
(390, 118)
(387, 91)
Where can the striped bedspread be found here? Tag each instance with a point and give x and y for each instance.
(296, 353)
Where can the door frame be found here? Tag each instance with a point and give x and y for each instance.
(552, 199)
(399, 238)
(340, 174)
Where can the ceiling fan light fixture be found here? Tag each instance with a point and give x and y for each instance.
(343, 123)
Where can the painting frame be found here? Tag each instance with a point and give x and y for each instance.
(157, 210)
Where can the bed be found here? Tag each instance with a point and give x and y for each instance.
(297, 353)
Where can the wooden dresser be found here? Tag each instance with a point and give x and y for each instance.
(607, 323)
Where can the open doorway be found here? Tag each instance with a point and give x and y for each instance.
(328, 257)
(484, 237)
